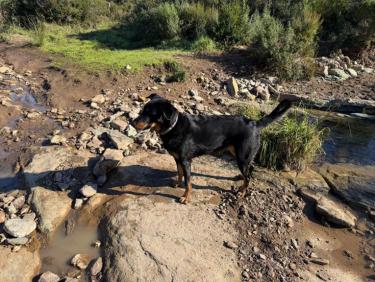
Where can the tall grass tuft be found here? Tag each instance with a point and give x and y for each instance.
(176, 71)
(293, 142)
(38, 34)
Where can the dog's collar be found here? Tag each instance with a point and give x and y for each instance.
(171, 127)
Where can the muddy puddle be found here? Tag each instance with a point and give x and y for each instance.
(59, 249)
(20, 93)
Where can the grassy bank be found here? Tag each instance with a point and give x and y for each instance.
(293, 142)
(99, 49)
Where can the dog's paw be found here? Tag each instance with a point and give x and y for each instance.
(238, 177)
(184, 200)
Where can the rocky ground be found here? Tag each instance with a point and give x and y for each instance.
(70, 158)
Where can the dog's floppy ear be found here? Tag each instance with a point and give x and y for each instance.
(154, 96)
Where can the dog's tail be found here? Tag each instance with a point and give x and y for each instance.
(276, 114)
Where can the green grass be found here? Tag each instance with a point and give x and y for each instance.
(104, 48)
(294, 142)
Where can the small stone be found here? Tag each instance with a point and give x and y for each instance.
(263, 93)
(295, 244)
(98, 99)
(262, 256)
(131, 131)
(119, 124)
(89, 190)
(17, 241)
(78, 203)
(19, 202)
(57, 140)
(79, 261)
(18, 227)
(352, 72)
(193, 93)
(320, 261)
(2, 216)
(230, 245)
(97, 244)
(49, 277)
(232, 87)
(96, 266)
(341, 74)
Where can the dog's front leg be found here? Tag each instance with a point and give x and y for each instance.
(186, 166)
(180, 173)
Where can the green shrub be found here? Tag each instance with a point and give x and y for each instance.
(156, 25)
(27, 13)
(233, 27)
(248, 110)
(347, 24)
(176, 73)
(288, 51)
(203, 45)
(197, 20)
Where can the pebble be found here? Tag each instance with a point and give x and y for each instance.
(17, 241)
(2, 216)
(320, 261)
(49, 277)
(89, 190)
(96, 266)
(230, 245)
(79, 261)
(78, 203)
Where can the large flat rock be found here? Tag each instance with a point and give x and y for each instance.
(19, 266)
(52, 207)
(355, 184)
(51, 159)
(154, 241)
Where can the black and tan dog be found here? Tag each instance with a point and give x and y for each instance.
(187, 136)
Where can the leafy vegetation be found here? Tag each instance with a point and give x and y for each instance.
(282, 36)
(176, 71)
(295, 141)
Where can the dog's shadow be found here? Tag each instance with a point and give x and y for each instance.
(153, 178)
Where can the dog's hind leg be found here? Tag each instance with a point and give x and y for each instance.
(245, 158)
(186, 165)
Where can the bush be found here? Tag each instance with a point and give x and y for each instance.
(233, 27)
(288, 51)
(347, 24)
(176, 72)
(27, 13)
(158, 24)
(203, 45)
(197, 21)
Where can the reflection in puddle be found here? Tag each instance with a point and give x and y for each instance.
(350, 140)
(56, 256)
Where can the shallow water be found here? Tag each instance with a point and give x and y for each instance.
(60, 249)
(350, 140)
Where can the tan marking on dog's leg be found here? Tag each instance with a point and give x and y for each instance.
(180, 174)
(243, 188)
(232, 150)
(185, 199)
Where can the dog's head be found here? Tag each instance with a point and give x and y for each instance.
(158, 114)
